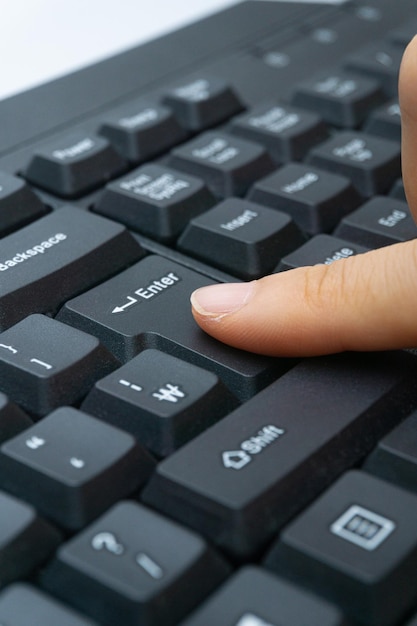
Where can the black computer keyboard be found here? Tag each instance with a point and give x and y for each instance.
(149, 475)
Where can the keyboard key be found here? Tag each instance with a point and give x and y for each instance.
(246, 476)
(142, 130)
(402, 35)
(340, 99)
(286, 131)
(249, 239)
(12, 419)
(372, 164)
(385, 121)
(379, 222)
(413, 622)
(160, 399)
(24, 605)
(26, 540)
(254, 597)
(320, 249)
(395, 457)
(56, 257)
(380, 61)
(147, 306)
(58, 466)
(315, 199)
(74, 164)
(155, 200)
(202, 102)
(305, 51)
(228, 164)
(357, 545)
(132, 566)
(44, 363)
(19, 205)
(397, 190)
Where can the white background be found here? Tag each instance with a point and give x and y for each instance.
(42, 39)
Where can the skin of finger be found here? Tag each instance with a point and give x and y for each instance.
(367, 302)
(362, 303)
(408, 101)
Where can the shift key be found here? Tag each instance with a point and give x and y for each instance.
(57, 257)
(241, 481)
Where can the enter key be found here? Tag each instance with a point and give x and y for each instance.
(148, 306)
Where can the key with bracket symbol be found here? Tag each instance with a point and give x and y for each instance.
(55, 354)
(47, 366)
(10, 348)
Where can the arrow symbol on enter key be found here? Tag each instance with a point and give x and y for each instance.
(120, 309)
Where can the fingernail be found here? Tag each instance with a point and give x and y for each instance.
(221, 299)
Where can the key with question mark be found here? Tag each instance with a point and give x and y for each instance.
(107, 541)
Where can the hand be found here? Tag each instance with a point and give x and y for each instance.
(366, 302)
